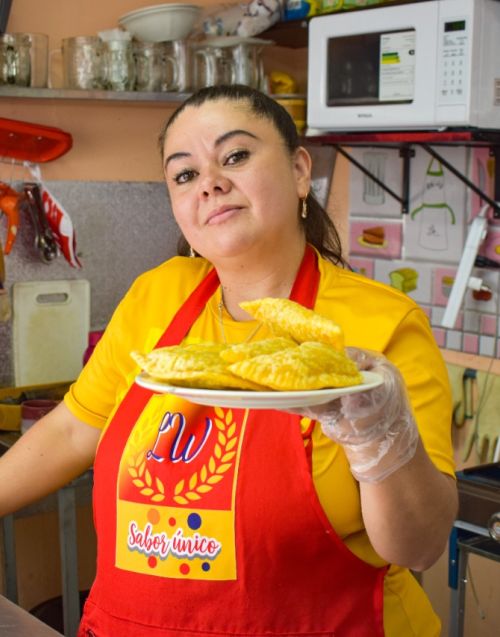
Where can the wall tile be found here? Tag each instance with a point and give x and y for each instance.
(454, 340)
(366, 198)
(363, 266)
(471, 322)
(415, 277)
(486, 345)
(440, 336)
(488, 325)
(390, 238)
(471, 343)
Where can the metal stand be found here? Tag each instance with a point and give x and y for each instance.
(406, 141)
(464, 540)
(66, 502)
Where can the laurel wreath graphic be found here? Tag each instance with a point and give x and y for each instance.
(199, 483)
(218, 464)
(144, 481)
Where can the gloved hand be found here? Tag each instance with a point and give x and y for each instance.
(376, 427)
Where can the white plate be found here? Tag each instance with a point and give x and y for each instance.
(258, 399)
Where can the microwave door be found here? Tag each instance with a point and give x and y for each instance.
(371, 68)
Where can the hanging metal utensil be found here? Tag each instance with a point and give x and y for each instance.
(5, 312)
(45, 242)
(9, 206)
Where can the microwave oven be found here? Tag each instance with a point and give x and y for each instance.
(425, 65)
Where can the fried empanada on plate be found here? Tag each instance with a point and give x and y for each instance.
(242, 351)
(287, 318)
(309, 366)
(194, 365)
(213, 378)
(194, 356)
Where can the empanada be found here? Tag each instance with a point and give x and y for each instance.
(287, 318)
(192, 357)
(194, 365)
(214, 378)
(309, 366)
(242, 351)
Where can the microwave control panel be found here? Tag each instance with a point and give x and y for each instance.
(453, 62)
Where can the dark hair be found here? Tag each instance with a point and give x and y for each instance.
(319, 229)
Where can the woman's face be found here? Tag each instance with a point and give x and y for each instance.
(233, 186)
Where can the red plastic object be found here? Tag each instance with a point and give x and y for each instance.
(32, 142)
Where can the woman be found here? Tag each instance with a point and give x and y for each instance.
(213, 521)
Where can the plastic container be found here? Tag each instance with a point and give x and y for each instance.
(33, 410)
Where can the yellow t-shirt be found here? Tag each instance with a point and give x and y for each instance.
(372, 315)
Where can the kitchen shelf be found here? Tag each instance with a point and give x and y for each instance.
(428, 140)
(74, 94)
(111, 96)
(292, 34)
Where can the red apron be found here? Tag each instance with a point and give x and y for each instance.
(208, 522)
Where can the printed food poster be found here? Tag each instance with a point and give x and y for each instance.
(411, 278)
(482, 174)
(435, 224)
(491, 245)
(366, 197)
(484, 300)
(442, 286)
(376, 239)
(323, 165)
(362, 266)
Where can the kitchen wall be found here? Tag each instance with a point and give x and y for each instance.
(419, 252)
(122, 229)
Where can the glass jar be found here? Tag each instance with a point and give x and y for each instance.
(15, 62)
(118, 65)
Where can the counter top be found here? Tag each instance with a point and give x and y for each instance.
(17, 622)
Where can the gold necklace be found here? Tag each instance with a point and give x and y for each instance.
(220, 307)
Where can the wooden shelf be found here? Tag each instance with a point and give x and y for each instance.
(292, 34)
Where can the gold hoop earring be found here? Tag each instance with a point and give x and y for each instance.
(192, 253)
(304, 210)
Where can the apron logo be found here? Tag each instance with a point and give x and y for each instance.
(212, 441)
(160, 449)
(160, 544)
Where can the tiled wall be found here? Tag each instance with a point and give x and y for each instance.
(122, 229)
(419, 252)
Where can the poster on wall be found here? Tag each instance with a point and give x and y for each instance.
(375, 239)
(435, 224)
(323, 165)
(482, 174)
(411, 278)
(366, 197)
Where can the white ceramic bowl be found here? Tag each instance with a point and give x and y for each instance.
(161, 22)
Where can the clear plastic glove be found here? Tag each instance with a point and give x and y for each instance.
(376, 428)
